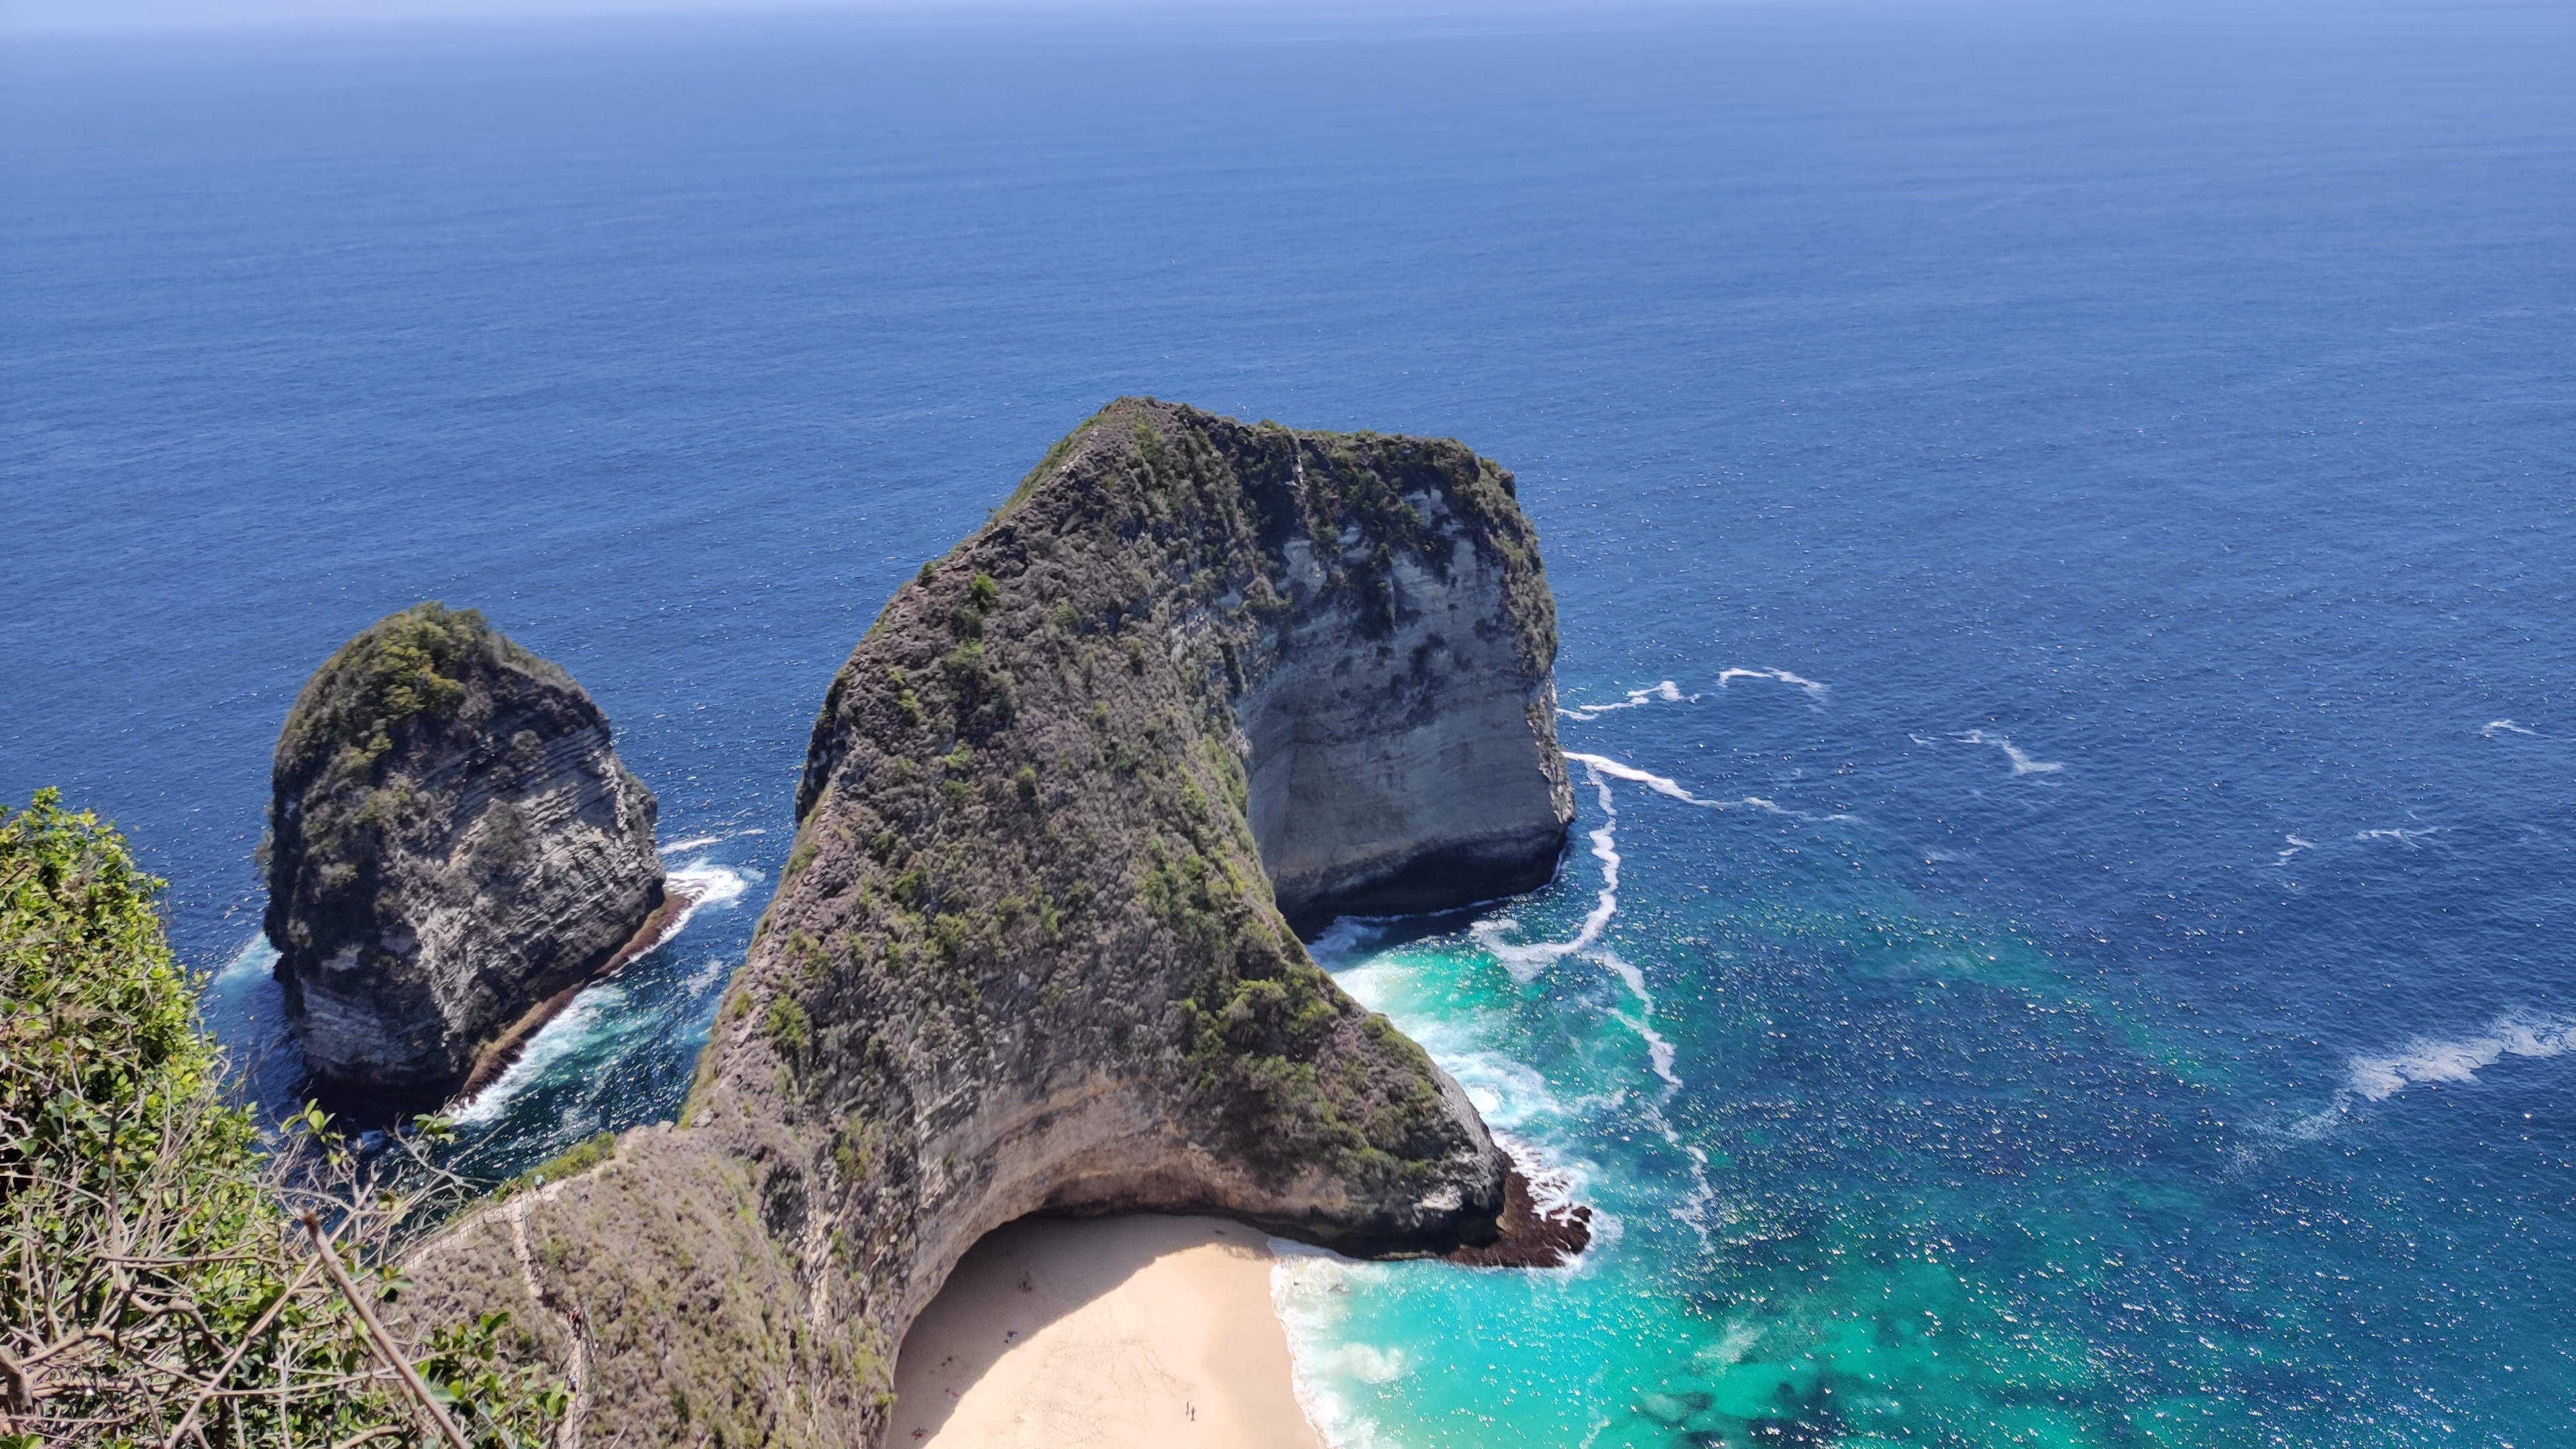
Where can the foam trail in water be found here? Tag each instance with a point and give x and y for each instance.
(694, 842)
(1673, 790)
(2427, 1059)
(2282, 857)
(1693, 1210)
(2377, 1078)
(1815, 692)
(2506, 726)
(1667, 691)
(2022, 764)
(1659, 1052)
(2403, 837)
(1525, 962)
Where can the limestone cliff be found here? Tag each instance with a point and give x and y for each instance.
(1028, 952)
(453, 845)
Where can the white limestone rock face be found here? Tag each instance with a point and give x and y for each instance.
(1411, 771)
(453, 845)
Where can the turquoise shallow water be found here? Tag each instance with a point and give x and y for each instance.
(1876, 1172)
(2060, 520)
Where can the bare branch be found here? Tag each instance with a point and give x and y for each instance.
(384, 1343)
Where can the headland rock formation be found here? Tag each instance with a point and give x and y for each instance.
(1032, 946)
(453, 849)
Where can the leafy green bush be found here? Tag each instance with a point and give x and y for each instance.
(158, 1274)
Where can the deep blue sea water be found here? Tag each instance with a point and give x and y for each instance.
(2083, 952)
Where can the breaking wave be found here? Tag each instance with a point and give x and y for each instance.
(574, 1028)
(599, 1010)
(256, 958)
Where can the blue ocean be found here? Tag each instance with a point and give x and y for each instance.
(2061, 518)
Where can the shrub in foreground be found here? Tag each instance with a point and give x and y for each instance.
(165, 1278)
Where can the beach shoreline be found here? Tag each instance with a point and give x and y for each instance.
(1130, 1331)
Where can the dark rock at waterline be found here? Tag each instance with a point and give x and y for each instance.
(454, 847)
(1530, 1234)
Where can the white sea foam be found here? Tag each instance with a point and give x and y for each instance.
(712, 973)
(255, 958)
(1619, 967)
(694, 842)
(1666, 692)
(1555, 1187)
(1659, 1052)
(709, 884)
(1633, 775)
(1509, 1093)
(1815, 692)
(2022, 763)
(1345, 939)
(2282, 857)
(1672, 789)
(2402, 836)
(2460, 1059)
(2506, 726)
(2378, 1077)
(1526, 961)
(1310, 1291)
(1694, 1209)
(591, 1013)
(597, 1009)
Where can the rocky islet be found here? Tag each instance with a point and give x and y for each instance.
(453, 850)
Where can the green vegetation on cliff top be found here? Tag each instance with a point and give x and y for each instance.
(1040, 814)
(407, 668)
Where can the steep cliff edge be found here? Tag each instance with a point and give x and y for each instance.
(1028, 952)
(453, 846)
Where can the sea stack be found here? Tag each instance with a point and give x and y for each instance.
(454, 849)
(1196, 682)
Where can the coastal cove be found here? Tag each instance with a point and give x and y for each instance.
(2065, 631)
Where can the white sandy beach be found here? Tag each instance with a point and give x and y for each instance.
(1141, 1332)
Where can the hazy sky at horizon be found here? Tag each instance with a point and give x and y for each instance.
(59, 16)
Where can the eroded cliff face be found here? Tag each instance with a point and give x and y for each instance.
(1401, 753)
(1028, 952)
(454, 843)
